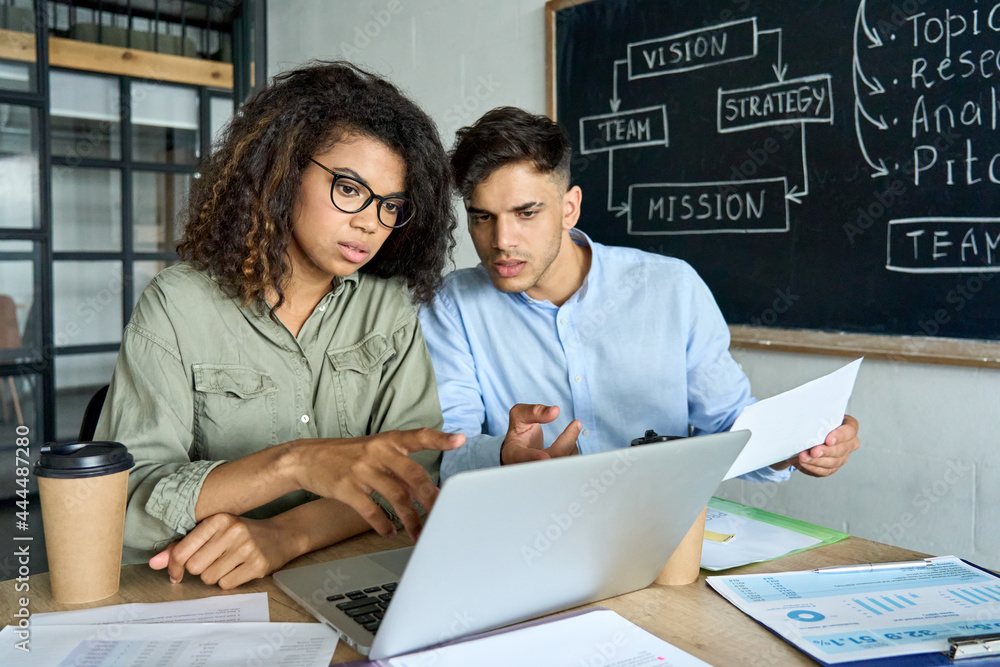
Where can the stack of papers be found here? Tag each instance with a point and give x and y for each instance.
(216, 631)
(744, 535)
(848, 616)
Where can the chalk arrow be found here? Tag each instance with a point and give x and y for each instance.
(615, 101)
(779, 69)
(880, 123)
(620, 210)
(873, 36)
(875, 86)
(795, 195)
(880, 170)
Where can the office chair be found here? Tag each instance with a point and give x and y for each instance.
(92, 413)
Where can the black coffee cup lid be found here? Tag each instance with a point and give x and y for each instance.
(74, 460)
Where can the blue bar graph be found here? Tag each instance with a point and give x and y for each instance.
(871, 609)
(907, 600)
(964, 597)
(879, 604)
(976, 594)
(992, 593)
(893, 603)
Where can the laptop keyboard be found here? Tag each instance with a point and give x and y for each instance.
(365, 607)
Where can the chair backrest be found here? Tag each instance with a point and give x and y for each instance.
(92, 413)
(10, 334)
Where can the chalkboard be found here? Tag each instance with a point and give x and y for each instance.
(827, 166)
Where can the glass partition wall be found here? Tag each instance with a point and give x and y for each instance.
(95, 170)
(96, 162)
(124, 153)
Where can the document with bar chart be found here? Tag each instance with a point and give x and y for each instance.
(848, 616)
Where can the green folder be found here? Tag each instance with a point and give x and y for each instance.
(825, 535)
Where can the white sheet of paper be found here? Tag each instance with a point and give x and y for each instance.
(241, 608)
(791, 422)
(180, 644)
(600, 637)
(752, 541)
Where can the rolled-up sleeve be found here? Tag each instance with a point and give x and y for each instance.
(149, 409)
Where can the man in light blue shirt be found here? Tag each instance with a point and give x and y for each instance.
(557, 339)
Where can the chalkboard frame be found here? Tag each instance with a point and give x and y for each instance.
(916, 349)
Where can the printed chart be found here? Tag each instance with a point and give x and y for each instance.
(841, 617)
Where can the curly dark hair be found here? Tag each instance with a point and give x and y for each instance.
(240, 211)
(507, 135)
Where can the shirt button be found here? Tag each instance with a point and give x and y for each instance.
(304, 361)
(563, 321)
(322, 309)
(305, 419)
(578, 378)
(586, 431)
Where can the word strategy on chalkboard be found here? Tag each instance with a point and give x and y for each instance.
(712, 207)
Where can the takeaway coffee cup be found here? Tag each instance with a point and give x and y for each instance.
(83, 487)
(685, 563)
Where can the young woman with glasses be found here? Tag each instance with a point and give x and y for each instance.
(274, 388)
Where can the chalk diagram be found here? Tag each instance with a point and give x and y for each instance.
(946, 153)
(710, 207)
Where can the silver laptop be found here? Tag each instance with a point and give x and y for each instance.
(507, 544)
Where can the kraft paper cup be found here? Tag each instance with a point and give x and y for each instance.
(83, 488)
(685, 563)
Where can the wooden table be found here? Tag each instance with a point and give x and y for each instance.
(692, 617)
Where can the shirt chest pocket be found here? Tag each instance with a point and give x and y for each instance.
(234, 410)
(357, 374)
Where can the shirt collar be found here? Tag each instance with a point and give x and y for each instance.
(580, 239)
(260, 309)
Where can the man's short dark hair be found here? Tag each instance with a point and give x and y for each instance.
(507, 135)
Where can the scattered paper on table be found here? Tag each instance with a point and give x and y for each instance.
(599, 637)
(180, 644)
(244, 607)
(784, 425)
(843, 617)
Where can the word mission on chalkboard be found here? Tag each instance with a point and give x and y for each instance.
(830, 165)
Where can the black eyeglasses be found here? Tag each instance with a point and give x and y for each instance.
(352, 196)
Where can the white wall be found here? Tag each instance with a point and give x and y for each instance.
(928, 474)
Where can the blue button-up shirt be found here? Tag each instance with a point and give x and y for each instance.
(641, 345)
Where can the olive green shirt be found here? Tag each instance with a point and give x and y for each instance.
(201, 379)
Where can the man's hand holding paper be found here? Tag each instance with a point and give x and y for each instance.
(826, 459)
(806, 427)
